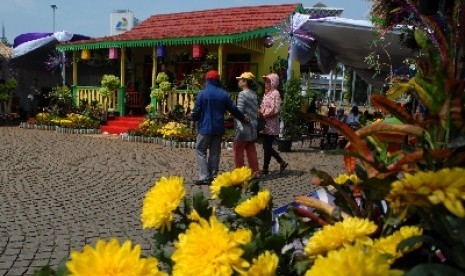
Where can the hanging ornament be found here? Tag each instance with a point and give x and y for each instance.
(56, 60)
(85, 54)
(268, 42)
(197, 51)
(160, 51)
(113, 53)
(289, 32)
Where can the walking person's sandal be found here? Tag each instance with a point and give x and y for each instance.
(282, 166)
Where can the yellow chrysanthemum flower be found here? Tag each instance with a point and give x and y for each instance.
(112, 259)
(194, 216)
(237, 177)
(161, 201)
(354, 179)
(265, 265)
(355, 260)
(343, 178)
(253, 206)
(388, 245)
(209, 248)
(335, 236)
(425, 189)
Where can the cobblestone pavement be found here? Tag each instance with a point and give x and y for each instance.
(59, 192)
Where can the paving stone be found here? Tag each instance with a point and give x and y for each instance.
(59, 192)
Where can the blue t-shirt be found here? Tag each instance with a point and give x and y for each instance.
(210, 107)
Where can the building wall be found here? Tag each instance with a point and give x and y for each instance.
(259, 63)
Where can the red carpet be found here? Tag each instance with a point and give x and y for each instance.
(122, 124)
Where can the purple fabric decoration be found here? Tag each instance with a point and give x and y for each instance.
(20, 39)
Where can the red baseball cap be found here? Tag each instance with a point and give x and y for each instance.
(212, 75)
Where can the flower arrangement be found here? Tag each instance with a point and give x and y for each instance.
(72, 120)
(232, 234)
(393, 212)
(172, 128)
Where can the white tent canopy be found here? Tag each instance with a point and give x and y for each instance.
(349, 42)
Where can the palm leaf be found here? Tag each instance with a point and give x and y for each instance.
(398, 90)
(456, 89)
(324, 177)
(350, 164)
(424, 88)
(418, 156)
(389, 128)
(355, 141)
(390, 106)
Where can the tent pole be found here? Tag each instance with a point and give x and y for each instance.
(341, 98)
(63, 67)
(369, 90)
(354, 79)
(328, 95)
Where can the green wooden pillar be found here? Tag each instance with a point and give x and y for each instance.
(74, 89)
(153, 101)
(122, 89)
(121, 98)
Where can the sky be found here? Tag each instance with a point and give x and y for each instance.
(92, 17)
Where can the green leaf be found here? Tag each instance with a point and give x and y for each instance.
(161, 239)
(61, 269)
(286, 228)
(361, 172)
(376, 189)
(434, 270)
(301, 267)
(254, 187)
(411, 242)
(275, 243)
(230, 196)
(254, 246)
(200, 204)
(44, 271)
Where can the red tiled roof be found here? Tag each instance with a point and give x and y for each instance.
(207, 23)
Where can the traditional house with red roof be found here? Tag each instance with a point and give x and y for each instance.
(230, 40)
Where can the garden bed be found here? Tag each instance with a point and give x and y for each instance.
(9, 119)
(167, 142)
(170, 134)
(59, 129)
(71, 124)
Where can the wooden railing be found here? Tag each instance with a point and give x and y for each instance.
(90, 93)
(137, 99)
(185, 99)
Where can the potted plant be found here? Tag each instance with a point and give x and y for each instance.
(61, 101)
(6, 94)
(289, 114)
(159, 92)
(110, 83)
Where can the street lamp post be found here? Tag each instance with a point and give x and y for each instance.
(54, 8)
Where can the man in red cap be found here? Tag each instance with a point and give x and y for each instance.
(210, 106)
